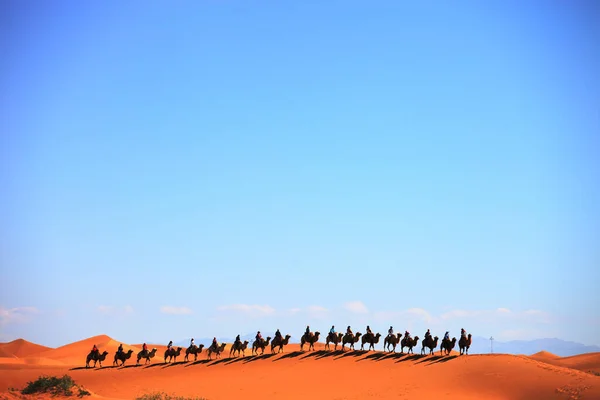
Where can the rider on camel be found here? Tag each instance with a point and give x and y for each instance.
(120, 349)
(369, 332)
(407, 335)
(463, 333)
(427, 334)
(447, 336)
(348, 330)
(258, 337)
(307, 332)
(95, 350)
(332, 331)
(192, 344)
(170, 345)
(145, 349)
(237, 339)
(278, 334)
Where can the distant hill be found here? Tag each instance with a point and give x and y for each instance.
(558, 347)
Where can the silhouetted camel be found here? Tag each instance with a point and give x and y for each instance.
(148, 355)
(464, 343)
(447, 346)
(311, 339)
(96, 357)
(333, 338)
(217, 350)
(371, 339)
(280, 342)
(260, 345)
(122, 357)
(391, 340)
(410, 343)
(350, 339)
(238, 347)
(430, 343)
(195, 350)
(172, 354)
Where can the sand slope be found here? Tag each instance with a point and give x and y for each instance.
(21, 348)
(75, 353)
(589, 362)
(326, 375)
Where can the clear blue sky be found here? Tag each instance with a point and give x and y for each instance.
(217, 167)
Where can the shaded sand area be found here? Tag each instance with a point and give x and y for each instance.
(318, 374)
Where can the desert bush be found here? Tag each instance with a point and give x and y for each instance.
(63, 386)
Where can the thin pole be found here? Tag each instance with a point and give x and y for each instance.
(492, 344)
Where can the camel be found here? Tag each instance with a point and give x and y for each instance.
(349, 338)
(96, 357)
(195, 350)
(335, 339)
(280, 342)
(464, 343)
(215, 349)
(260, 345)
(122, 357)
(371, 339)
(172, 354)
(410, 343)
(429, 343)
(239, 347)
(391, 340)
(311, 339)
(447, 346)
(148, 355)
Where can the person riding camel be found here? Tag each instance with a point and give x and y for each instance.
(237, 339)
(307, 332)
(369, 332)
(277, 334)
(120, 349)
(407, 335)
(447, 336)
(463, 333)
(215, 345)
(145, 349)
(192, 344)
(258, 337)
(95, 350)
(349, 331)
(332, 331)
(427, 334)
(170, 345)
(391, 331)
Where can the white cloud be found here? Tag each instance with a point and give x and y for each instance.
(175, 310)
(317, 312)
(420, 314)
(357, 307)
(249, 309)
(115, 311)
(294, 311)
(411, 314)
(16, 315)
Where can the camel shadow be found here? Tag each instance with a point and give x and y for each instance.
(175, 363)
(156, 365)
(326, 353)
(351, 353)
(443, 359)
(107, 367)
(290, 355)
(222, 360)
(261, 357)
(198, 362)
(236, 359)
(391, 355)
(429, 359)
(78, 368)
(407, 357)
(315, 354)
(131, 366)
(374, 356)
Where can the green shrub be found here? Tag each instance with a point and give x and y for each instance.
(56, 386)
(165, 396)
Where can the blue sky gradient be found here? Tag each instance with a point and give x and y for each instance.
(218, 167)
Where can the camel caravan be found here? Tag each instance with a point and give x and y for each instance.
(277, 344)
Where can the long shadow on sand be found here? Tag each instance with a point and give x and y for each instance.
(163, 364)
(429, 359)
(221, 360)
(261, 357)
(198, 362)
(443, 359)
(78, 368)
(352, 353)
(315, 354)
(233, 360)
(175, 363)
(106, 367)
(325, 353)
(411, 357)
(374, 356)
(293, 354)
(133, 366)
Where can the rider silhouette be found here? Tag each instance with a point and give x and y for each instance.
(348, 330)
(391, 331)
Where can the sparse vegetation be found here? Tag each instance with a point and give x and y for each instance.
(165, 396)
(64, 386)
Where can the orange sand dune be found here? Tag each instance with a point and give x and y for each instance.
(75, 353)
(327, 375)
(21, 348)
(589, 362)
